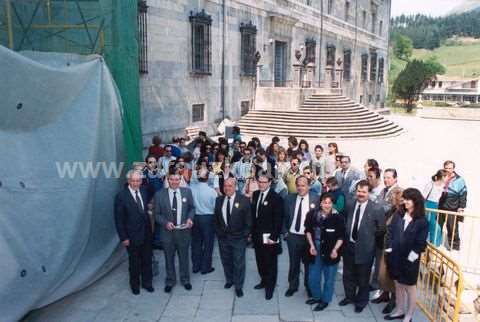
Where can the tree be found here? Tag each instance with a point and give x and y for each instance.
(403, 47)
(414, 78)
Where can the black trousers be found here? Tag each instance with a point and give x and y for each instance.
(297, 253)
(356, 277)
(140, 265)
(232, 254)
(267, 264)
(453, 235)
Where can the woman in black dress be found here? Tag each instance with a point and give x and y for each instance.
(406, 240)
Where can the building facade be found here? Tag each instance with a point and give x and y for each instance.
(452, 90)
(206, 58)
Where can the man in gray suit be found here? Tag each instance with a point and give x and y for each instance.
(233, 223)
(296, 207)
(346, 176)
(174, 212)
(365, 225)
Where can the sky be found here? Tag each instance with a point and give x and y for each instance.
(427, 7)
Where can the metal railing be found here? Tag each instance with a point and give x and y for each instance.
(292, 84)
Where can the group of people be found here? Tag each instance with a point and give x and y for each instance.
(317, 202)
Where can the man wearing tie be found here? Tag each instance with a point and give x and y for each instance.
(365, 225)
(346, 175)
(267, 219)
(174, 212)
(233, 223)
(135, 231)
(296, 207)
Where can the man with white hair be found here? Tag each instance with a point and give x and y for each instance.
(135, 231)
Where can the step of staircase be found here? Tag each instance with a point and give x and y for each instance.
(320, 115)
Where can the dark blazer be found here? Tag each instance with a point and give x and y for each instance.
(240, 220)
(130, 222)
(289, 208)
(414, 238)
(332, 230)
(270, 216)
(371, 229)
(163, 209)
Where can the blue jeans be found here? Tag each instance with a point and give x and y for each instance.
(318, 271)
(203, 236)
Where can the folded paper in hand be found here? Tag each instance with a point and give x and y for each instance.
(412, 256)
(267, 240)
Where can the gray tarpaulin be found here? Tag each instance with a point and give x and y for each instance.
(56, 234)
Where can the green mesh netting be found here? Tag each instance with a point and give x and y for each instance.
(105, 27)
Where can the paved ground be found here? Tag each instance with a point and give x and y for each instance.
(110, 300)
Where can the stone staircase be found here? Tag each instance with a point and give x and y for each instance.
(320, 116)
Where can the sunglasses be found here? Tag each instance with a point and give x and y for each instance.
(150, 162)
(307, 173)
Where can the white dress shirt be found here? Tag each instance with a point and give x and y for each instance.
(224, 207)
(179, 204)
(362, 211)
(406, 219)
(305, 210)
(134, 197)
(263, 199)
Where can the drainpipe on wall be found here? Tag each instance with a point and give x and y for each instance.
(222, 77)
(320, 73)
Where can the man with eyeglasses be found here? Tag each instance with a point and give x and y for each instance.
(267, 218)
(291, 175)
(454, 198)
(241, 169)
(347, 175)
(166, 160)
(314, 185)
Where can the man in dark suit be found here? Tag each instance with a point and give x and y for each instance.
(365, 225)
(267, 220)
(233, 223)
(135, 231)
(174, 212)
(296, 207)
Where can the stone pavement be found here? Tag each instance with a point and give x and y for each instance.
(110, 300)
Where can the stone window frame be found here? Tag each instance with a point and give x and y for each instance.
(243, 104)
(196, 118)
(331, 50)
(347, 10)
(310, 49)
(347, 64)
(248, 47)
(364, 67)
(142, 36)
(373, 66)
(201, 24)
(330, 6)
(381, 70)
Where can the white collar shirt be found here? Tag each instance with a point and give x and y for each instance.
(261, 197)
(224, 206)
(132, 192)
(305, 209)
(179, 203)
(362, 212)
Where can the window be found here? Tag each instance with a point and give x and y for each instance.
(331, 55)
(433, 84)
(381, 68)
(330, 7)
(142, 37)
(310, 45)
(244, 107)
(347, 64)
(361, 99)
(369, 98)
(374, 22)
(248, 34)
(373, 67)
(364, 67)
(201, 42)
(198, 113)
(364, 19)
(347, 10)
(377, 98)
(380, 28)
(440, 84)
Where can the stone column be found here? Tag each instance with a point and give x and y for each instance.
(297, 70)
(311, 73)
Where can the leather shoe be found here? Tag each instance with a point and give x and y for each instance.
(344, 302)
(290, 292)
(135, 291)
(320, 306)
(188, 286)
(209, 271)
(149, 289)
(396, 317)
(195, 271)
(228, 285)
(358, 309)
(382, 298)
(388, 308)
(167, 289)
(268, 294)
(239, 292)
(259, 286)
(312, 301)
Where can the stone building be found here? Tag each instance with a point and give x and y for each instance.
(206, 58)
